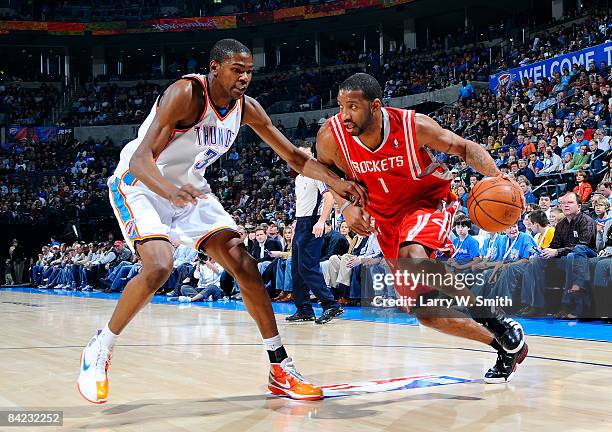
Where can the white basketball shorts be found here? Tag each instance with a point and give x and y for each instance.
(142, 214)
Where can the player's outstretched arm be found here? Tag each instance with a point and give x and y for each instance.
(180, 104)
(431, 134)
(258, 120)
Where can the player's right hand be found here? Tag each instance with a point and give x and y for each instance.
(186, 194)
(358, 220)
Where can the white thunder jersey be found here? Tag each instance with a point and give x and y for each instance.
(189, 151)
(144, 215)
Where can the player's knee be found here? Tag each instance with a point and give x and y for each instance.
(157, 272)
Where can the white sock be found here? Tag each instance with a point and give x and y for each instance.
(107, 337)
(273, 343)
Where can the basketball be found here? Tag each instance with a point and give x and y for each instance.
(495, 203)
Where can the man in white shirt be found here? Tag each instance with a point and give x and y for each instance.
(208, 273)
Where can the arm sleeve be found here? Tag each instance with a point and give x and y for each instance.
(322, 187)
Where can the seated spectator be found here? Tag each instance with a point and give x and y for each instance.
(602, 276)
(261, 252)
(573, 243)
(525, 186)
(208, 273)
(334, 243)
(120, 274)
(601, 208)
(605, 189)
(544, 203)
(535, 164)
(115, 256)
(544, 233)
(583, 189)
(284, 281)
(567, 162)
(338, 272)
(512, 252)
(467, 250)
(184, 257)
(556, 216)
(529, 149)
(602, 140)
(580, 160)
(524, 170)
(369, 256)
(551, 163)
(595, 156)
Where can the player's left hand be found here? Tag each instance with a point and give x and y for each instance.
(351, 191)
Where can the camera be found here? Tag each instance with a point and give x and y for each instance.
(202, 256)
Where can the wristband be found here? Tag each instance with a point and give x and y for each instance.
(345, 205)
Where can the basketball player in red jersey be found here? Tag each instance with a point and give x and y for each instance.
(386, 149)
(159, 191)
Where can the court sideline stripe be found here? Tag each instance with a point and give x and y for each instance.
(319, 345)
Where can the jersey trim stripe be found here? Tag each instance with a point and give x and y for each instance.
(121, 205)
(413, 143)
(151, 236)
(214, 108)
(338, 131)
(421, 222)
(409, 157)
(172, 135)
(211, 233)
(201, 117)
(128, 178)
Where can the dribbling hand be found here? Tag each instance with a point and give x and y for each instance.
(186, 194)
(513, 181)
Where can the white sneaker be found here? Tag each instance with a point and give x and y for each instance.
(93, 378)
(184, 299)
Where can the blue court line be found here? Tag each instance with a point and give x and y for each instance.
(545, 327)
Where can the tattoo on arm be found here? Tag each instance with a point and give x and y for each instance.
(479, 159)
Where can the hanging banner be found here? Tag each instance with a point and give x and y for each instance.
(37, 134)
(545, 68)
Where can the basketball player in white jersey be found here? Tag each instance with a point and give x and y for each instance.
(160, 197)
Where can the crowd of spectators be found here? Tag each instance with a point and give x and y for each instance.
(62, 178)
(111, 104)
(553, 137)
(27, 106)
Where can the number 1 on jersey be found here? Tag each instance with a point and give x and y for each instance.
(384, 186)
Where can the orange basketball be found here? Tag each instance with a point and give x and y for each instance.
(495, 203)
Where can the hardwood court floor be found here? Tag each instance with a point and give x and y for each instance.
(204, 369)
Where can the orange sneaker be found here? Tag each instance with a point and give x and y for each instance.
(284, 380)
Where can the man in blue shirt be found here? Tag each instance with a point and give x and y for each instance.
(513, 259)
(466, 91)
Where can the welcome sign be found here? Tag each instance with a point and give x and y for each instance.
(546, 68)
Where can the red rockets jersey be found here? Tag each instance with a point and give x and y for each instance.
(398, 174)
